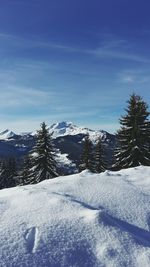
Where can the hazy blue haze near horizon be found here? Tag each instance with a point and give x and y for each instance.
(73, 61)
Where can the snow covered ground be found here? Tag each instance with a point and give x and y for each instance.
(85, 219)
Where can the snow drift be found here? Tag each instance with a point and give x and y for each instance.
(80, 220)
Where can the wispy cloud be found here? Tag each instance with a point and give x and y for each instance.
(13, 96)
(117, 48)
(66, 88)
(36, 43)
(109, 47)
(134, 76)
(25, 123)
(29, 124)
(103, 52)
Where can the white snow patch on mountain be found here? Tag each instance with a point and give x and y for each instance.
(59, 129)
(65, 163)
(7, 134)
(68, 128)
(82, 220)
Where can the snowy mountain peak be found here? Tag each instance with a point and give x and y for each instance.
(6, 134)
(68, 128)
(60, 125)
(62, 128)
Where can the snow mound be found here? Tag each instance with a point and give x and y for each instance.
(7, 134)
(64, 163)
(85, 219)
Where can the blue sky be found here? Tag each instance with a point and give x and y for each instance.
(71, 60)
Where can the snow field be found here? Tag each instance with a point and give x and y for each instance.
(79, 220)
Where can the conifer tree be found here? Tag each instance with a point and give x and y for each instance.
(134, 136)
(12, 168)
(44, 157)
(8, 175)
(25, 174)
(86, 157)
(99, 158)
(2, 176)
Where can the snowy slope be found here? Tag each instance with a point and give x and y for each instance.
(85, 219)
(58, 129)
(64, 164)
(6, 134)
(68, 128)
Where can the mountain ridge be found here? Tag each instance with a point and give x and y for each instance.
(68, 140)
(58, 129)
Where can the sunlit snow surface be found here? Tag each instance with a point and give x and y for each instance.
(68, 128)
(6, 134)
(79, 220)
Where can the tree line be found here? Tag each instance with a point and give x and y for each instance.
(133, 149)
(133, 141)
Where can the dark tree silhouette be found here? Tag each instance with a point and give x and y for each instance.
(134, 136)
(44, 157)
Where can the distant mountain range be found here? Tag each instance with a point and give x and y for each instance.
(6, 134)
(68, 139)
(58, 129)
